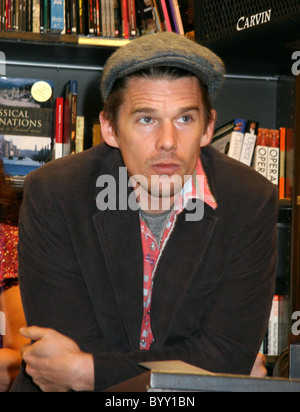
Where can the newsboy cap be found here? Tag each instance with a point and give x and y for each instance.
(163, 49)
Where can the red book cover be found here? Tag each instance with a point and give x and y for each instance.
(282, 163)
(132, 18)
(289, 181)
(125, 19)
(58, 127)
(166, 14)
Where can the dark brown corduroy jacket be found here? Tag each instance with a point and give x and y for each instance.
(81, 269)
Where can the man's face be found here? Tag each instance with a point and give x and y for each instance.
(160, 132)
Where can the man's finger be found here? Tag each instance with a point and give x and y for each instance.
(24, 348)
(33, 332)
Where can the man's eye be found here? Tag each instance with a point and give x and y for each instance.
(146, 120)
(185, 119)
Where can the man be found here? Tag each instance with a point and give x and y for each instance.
(173, 259)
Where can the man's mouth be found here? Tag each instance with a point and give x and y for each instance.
(165, 168)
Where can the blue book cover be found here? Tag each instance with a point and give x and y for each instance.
(26, 122)
(57, 22)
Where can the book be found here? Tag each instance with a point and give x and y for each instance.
(260, 162)
(79, 134)
(289, 168)
(228, 139)
(132, 18)
(57, 23)
(117, 11)
(282, 161)
(26, 113)
(70, 115)
(58, 128)
(177, 17)
(166, 15)
(125, 20)
(273, 157)
(177, 376)
(249, 142)
(278, 326)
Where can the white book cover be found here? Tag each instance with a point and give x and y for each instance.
(248, 149)
(236, 144)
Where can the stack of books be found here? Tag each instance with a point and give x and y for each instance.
(268, 151)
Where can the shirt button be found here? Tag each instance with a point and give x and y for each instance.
(153, 246)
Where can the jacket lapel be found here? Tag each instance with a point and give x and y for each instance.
(119, 234)
(179, 263)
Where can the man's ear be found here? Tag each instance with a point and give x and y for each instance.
(207, 137)
(107, 131)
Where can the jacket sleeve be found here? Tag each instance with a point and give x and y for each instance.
(235, 323)
(53, 290)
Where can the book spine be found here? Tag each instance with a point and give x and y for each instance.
(35, 16)
(46, 15)
(57, 16)
(177, 17)
(237, 138)
(79, 134)
(108, 20)
(260, 163)
(248, 149)
(73, 117)
(289, 163)
(81, 17)
(29, 15)
(74, 28)
(102, 19)
(68, 16)
(166, 15)
(117, 18)
(58, 128)
(249, 142)
(69, 136)
(91, 27)
(273, 157)
(126, 33)
(282, 194)
(273, 330)
(236, 143)
(8, 15)
(132, 18)
(111, 18)
(157, 18)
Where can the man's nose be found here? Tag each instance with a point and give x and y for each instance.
(167, 136)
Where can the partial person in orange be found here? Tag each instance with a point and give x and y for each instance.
(11, 310)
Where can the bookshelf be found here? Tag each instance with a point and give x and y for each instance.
(257, 80)
(267, 82)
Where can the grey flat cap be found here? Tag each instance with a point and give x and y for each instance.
(163, 49)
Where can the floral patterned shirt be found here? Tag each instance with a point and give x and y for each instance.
(196, 187)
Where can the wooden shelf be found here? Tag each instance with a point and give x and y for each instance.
(62, 39)
(36, 37)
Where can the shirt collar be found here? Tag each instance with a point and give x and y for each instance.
(197, 187)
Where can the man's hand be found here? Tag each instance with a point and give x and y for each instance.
(259, 368)
(55, 362)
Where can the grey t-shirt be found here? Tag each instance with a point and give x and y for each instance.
(156, 222)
